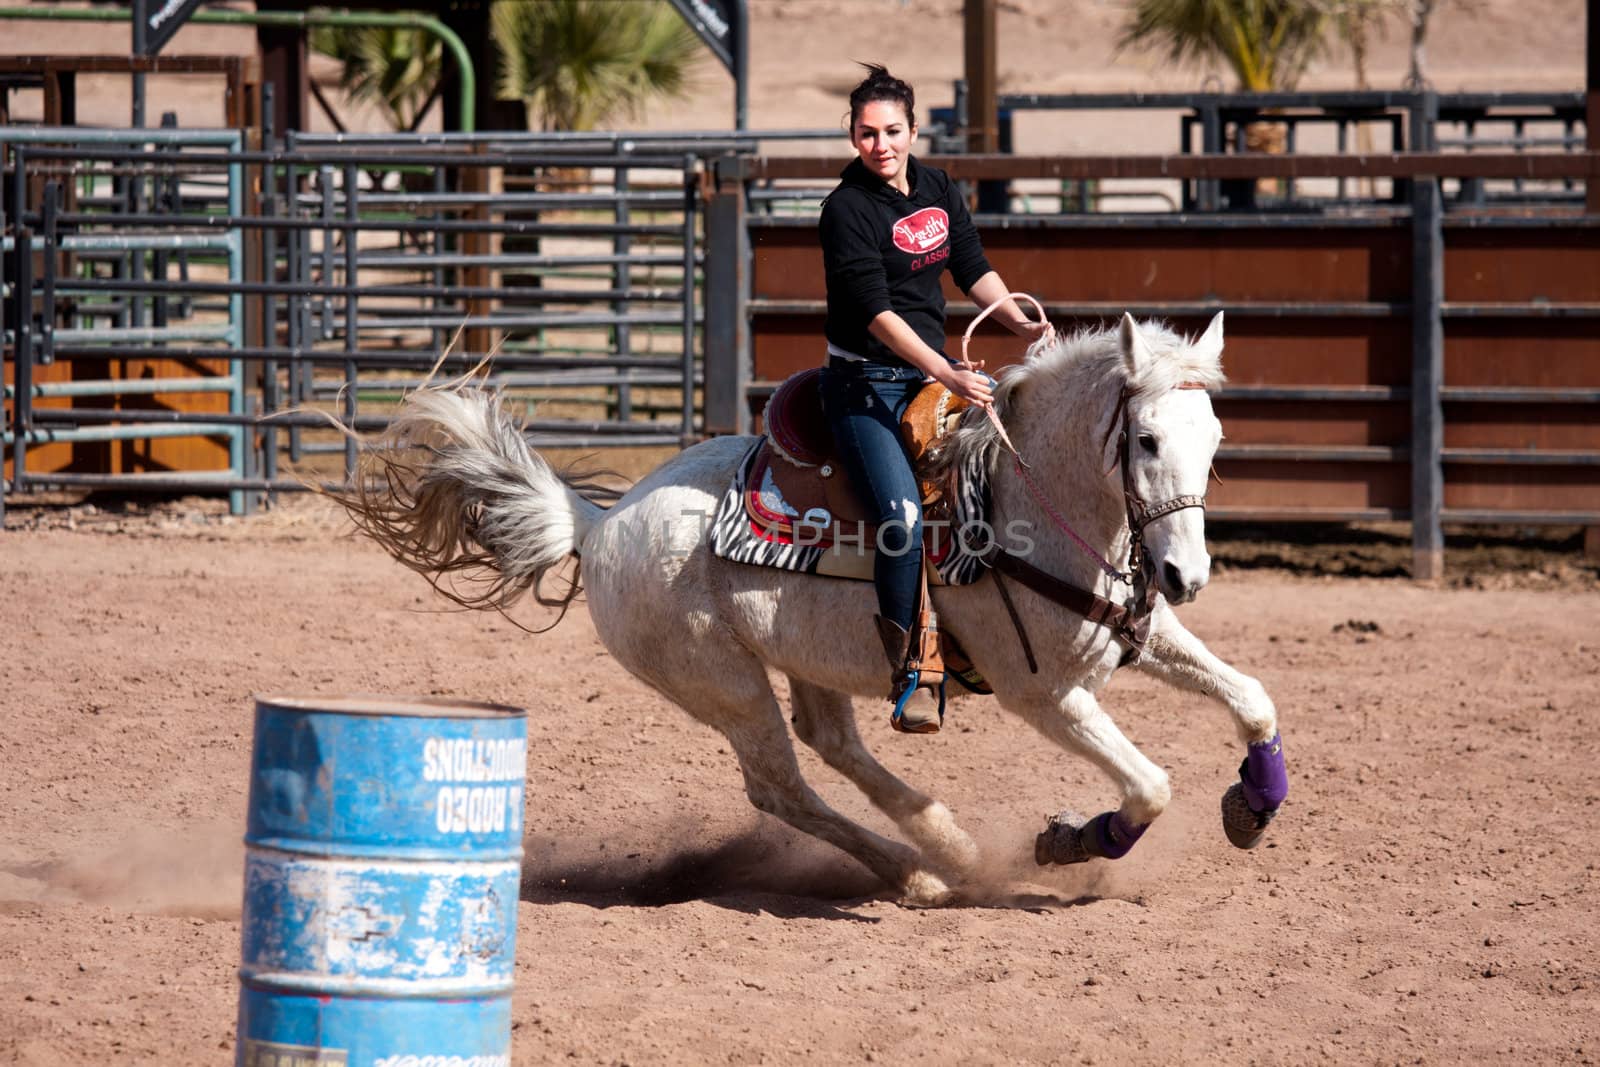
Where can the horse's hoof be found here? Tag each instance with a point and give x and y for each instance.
(924, 889)
(1061, 842)
(945, 847)
(1245, 828)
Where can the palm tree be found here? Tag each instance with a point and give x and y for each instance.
(1357, 21)
(1420, 12)
(395, 68)
(579, 63)
(1267, 43)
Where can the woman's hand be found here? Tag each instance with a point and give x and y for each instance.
(1029, 330)
(971, 386)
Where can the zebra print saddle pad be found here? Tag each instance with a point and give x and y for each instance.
(790, 505)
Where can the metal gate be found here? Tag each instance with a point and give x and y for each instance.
(331, 274)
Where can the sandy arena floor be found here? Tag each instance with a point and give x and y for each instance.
(1429, 894)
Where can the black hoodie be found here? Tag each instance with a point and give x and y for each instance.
(885, 252)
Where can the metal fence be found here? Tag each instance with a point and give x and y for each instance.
(74, 290)
(1292, 123)
(1428, 361)
(170, 290)
(1340, 123)
(147, 273)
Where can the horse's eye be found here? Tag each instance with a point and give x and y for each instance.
(1147, 441)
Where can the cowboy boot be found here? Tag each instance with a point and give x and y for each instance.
(917, 694)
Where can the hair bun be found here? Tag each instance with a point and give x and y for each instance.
(880, 85)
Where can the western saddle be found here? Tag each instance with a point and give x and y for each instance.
(798, 457)
(819, 505)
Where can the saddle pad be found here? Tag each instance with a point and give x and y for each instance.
(754, 524)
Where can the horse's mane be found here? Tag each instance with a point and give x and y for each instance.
(1074, 368)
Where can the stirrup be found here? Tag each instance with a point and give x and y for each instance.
(897, 717)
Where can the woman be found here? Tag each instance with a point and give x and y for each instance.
(889, 230)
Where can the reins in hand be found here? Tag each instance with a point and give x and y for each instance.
(1022, 464)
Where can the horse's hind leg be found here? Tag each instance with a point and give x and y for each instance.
(1181, 659)
(774, 785)
(825, 720)
(743, 708)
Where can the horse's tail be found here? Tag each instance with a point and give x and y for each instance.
(453, 488)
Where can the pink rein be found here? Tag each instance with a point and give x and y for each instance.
(1005, 438)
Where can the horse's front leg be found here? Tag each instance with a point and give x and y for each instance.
(1178, 657)
(1079, 725)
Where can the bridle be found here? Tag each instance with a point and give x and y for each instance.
(1140, 514)
(1130, 621)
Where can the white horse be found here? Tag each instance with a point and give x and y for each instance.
(1113, 423)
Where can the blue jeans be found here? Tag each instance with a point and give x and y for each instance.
(863, 403)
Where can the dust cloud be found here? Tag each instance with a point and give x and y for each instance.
(771, 859)
(196, 873)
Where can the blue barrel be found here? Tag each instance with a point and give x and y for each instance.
(382, 866)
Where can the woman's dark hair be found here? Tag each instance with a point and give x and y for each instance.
(880, 85)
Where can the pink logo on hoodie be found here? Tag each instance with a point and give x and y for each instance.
(922, 232)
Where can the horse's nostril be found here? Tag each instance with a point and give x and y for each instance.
(1172, 577)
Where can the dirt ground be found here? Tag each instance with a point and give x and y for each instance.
(1429, 894)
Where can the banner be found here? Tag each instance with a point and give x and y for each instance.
(717, 23)
(155, 21)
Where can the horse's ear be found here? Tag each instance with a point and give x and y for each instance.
(1135, 350)
(1209, 347)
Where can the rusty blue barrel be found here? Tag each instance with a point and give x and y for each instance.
(382, 867)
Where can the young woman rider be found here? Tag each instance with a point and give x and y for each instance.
(889, 231)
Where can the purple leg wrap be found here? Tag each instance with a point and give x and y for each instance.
(1263, 776)
(1111, 835)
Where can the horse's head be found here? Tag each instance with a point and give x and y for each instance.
(1125, 410)
(1159, 456)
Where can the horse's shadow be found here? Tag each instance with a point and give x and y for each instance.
(756, 872)
(753, 872)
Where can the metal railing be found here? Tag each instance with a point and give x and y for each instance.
(122, 262)
(1420, 121)
(348, 272)
(611, 275)
(331, 274)
(1221, 123)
